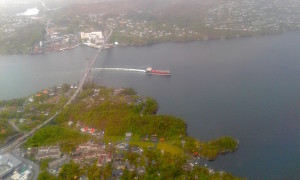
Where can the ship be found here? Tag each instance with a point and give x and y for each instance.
(149, 70)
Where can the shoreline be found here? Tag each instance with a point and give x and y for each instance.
(162, 42)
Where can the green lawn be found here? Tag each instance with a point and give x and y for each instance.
(169, 148)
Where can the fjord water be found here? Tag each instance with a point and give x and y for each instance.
(247, 88)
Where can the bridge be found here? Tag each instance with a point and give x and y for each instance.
(18, 142)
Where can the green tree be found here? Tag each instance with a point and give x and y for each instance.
(69, 172)
(46, 176)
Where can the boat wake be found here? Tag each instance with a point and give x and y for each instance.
(119, 69)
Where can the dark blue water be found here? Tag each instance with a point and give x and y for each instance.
(247, 88)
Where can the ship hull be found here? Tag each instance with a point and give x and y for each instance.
(159, 74)
(151, 71)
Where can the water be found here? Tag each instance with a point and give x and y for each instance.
(119, 69)
(22, 75)
(247, 88)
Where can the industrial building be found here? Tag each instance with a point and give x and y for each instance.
(8, 164)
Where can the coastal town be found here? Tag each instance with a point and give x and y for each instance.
(117, 149)
(59, 30)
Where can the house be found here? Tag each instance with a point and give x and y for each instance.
(117, 173)
(20, 109)
(136, 149)
(78, 159)
(109, 157)
(146, 138)
(47, 112)
(122, 146)
(141, 170)
(154, 138)
(70, 123)
(128, 134)
(48, 152)
(92, 131)
(21, 120)
(30, 99)
(97, 147)
(78, 124)
(47, 155)
(45, 91)
(83, 178)
(101, 160)
(130, 167)
(85, 129)
(118, 165)
(90, 155)
(57, 162)
(119, 157)
(77, 152)
(53, 149)
(84, 147)
(186, 167)
(118, 91)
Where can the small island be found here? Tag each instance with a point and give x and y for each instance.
(108, 133)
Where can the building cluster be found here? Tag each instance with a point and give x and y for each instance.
(254, 16)
(55, 165)
(91, 152)
(9, 24)
(88, 152)
(146, 30)
(93, 39)
(52, 152)
(55, 40)
(30, 111)
(86, 129)
(12, 168)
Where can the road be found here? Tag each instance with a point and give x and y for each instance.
(12, 148)
(13, 124)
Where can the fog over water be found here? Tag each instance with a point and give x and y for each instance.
(247, 88)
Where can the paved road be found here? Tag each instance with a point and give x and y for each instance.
(13, 124)
(12, 148)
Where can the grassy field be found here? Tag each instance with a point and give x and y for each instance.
(169, 148)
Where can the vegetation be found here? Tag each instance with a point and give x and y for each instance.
(169, 148)
(128, 91)
(44, 164)
(211, 149)
(151, 106)
(166, 146)
(5, 130)
(51, 135)
(70, 171)
(45, 175)
(121, 113)
(22, 40)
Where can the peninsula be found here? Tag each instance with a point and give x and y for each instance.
(108, 133)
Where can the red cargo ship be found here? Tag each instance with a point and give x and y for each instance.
(149, 70)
